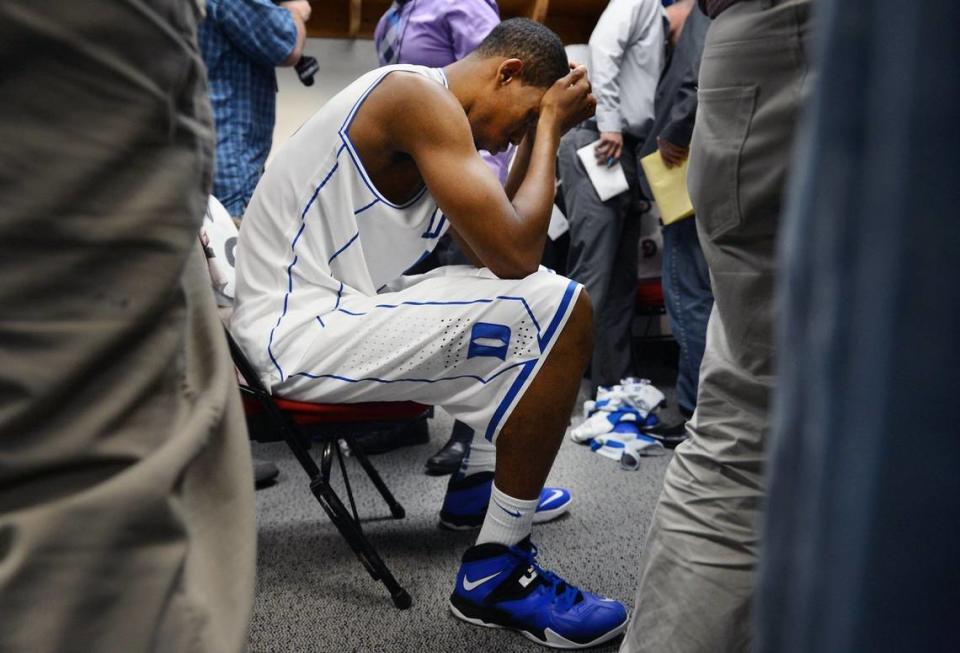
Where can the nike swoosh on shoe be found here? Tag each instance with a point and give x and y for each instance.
(471, 585)
(556, 494)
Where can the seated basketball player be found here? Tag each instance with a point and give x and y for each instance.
(361, 192)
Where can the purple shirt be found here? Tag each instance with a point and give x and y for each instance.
(436, 33)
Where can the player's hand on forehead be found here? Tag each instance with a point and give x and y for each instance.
(570, 100)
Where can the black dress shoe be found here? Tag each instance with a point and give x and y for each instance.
(669, 435)
(409, 435)
(264, 473)
(448, 459)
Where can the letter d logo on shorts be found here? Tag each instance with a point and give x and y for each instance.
(489, 340)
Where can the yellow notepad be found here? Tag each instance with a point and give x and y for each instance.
(669, 186)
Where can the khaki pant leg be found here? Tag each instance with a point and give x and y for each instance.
(698, 565)
(126, 499)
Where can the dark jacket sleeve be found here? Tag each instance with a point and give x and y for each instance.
(714, 8)
(683, 111)
(679, 129)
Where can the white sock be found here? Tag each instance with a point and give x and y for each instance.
(508, 520)
(482, 456)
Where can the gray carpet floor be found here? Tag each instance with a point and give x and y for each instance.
(313, 594)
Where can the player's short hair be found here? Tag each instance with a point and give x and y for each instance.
(537, 46)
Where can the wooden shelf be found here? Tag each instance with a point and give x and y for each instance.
(574, 20)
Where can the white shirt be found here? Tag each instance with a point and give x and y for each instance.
(626, 58)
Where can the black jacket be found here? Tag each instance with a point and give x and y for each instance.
(675, 107)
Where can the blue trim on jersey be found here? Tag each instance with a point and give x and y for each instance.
(465, 303)
(474, 377)
(336, 306)
(270, 341)
(522, 377)
(432, 232)
(541, 338)
(303, 225)
(293, 244)
(290, 269)
(345, 126)
(364, 208)
(436, 232)
(340, 251)
(533, 317)
(415, 263)
(344, 133)
(433, 216)
(561, 311)
(518, 384)
(365, 178)
(460, 302)
(323, 183)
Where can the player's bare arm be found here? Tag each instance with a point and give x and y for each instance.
(411, 130)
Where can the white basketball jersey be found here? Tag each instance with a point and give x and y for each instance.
(317, 230)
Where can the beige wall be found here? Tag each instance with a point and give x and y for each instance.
(341, 61)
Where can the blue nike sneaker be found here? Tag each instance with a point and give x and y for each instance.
(505, 587)
(465, 504)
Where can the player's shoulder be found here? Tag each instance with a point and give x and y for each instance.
(414, 111)
(409, 95)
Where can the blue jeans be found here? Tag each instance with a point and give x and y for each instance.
(689, 298)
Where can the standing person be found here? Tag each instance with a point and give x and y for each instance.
(686, 279)
(243, 42)
(862, 526)
(697, 572)
(626, 59)
(355, 197)
(126, 507)
(436, 33)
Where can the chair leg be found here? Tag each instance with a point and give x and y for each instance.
(345, 523)
(365, 552)
(396, 510)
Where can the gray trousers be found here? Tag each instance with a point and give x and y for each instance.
(604, 237)
(697, 571)
(126, 496)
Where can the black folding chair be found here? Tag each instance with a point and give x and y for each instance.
(300, 424)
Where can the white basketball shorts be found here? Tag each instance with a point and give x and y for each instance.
(457, 337)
